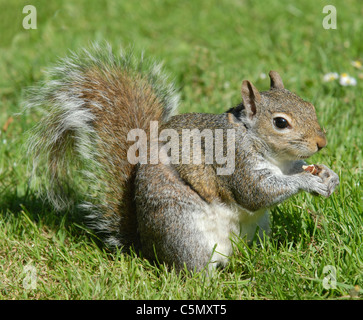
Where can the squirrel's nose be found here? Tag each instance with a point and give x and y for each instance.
(321, 143)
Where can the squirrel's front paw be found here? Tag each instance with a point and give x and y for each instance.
(319, 179)
(329, 177)
(315, 185)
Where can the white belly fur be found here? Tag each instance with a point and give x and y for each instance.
(219, 223)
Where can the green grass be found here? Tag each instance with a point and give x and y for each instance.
(209, 47)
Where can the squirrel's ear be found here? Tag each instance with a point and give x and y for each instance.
(251, 97)
(276, 81)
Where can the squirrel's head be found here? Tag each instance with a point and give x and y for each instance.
(283, 121)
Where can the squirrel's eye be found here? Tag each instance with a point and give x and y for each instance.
(281, 123)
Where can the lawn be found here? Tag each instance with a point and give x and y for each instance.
(316, 247)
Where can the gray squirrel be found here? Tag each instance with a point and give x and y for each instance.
(178, 211)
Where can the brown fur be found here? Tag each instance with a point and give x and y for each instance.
(131, 103)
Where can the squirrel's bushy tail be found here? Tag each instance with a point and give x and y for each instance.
(91, 101)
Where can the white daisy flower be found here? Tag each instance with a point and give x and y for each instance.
(346, 80)
(331, 76)
(263, 75)
(357, 64)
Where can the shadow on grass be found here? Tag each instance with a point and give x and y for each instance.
(286, 226)
(42, 213)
